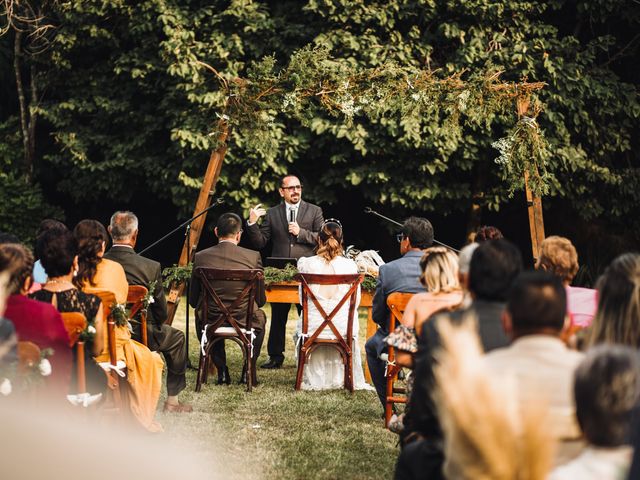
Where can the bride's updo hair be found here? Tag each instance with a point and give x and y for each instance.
(330, 239)
(90, 235)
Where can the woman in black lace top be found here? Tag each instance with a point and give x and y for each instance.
(58, 250)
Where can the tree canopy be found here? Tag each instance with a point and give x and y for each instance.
(130, 92)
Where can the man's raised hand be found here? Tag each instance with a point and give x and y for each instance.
(255, 213)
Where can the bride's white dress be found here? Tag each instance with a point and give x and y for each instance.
(325, 369)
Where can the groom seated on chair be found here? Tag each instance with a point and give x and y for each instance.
(227, 255)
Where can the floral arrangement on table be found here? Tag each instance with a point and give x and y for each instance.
(287, 274)
(278, 275)
(177, 274)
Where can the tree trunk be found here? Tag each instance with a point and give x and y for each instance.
(24, 113)
(474, 217)
(33, 117)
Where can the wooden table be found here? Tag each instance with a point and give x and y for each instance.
(287, 292)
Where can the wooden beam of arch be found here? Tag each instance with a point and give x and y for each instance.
(204, 201)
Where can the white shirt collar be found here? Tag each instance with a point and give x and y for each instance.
(292, 205)
(122, 245)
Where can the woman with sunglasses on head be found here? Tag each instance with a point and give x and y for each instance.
(324, 369)
(439, 267)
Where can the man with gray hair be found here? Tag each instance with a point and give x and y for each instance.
(161, 337)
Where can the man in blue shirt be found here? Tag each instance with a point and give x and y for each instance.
(401, 275)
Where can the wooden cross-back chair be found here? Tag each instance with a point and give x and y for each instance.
(397, 303)
(135, 296)
(224, 325)
(117, 384)
(311, 341)
(75, 323)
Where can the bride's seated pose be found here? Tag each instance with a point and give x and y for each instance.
(324, 369)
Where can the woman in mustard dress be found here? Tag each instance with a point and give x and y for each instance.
(144, 367)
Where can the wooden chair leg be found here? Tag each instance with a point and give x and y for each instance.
(249, 368)
(388, 408)
(202, 366)
(350, 373)
(302, 356)
(81, 378)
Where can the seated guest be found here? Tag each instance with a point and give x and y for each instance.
(559, 257)
(537, 359)
(464, 262)
(161, 337)
(606, 391)
(144, 367)
(228, 255)
(94, 271)
(39, 274)
(617, 319)
(483, 439)
(494, 266)
(59, 255)
(324, 370)
(401, 275)
(35, 321)
(440, 277)
(487, 232)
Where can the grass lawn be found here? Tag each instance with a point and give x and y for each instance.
(275, 432)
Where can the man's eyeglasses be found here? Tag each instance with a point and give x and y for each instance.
(400, 237)
(292, 188)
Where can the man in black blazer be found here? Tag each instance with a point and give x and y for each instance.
(292, 228)
(160, 336)
(228, 255)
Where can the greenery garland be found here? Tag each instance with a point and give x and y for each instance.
(314, 83)
(525, 141)
(177, 274)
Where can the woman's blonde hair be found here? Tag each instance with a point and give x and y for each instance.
(330, 240)
(439, 270)
(559, 257)
(617, 319)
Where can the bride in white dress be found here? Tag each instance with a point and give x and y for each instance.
(324, 369)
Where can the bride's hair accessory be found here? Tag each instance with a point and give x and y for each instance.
(331, 220)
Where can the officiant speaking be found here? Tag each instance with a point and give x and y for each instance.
(292, 227)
